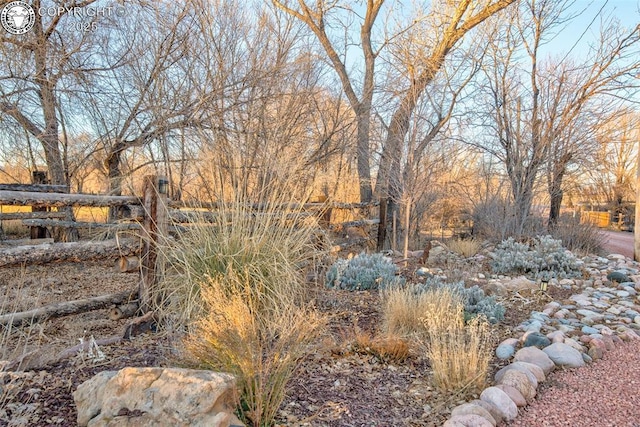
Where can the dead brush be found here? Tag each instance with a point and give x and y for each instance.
(386, 348)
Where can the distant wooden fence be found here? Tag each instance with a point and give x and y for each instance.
(599, 219)
(149, 215)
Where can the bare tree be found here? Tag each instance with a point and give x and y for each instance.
(542, 112)
(37, 66)
(320, 20)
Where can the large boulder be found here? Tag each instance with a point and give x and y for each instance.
(157, 397)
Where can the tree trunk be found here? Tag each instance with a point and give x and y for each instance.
(364, 168)
(555, 195)
(114, 173)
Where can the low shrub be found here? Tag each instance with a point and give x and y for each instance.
(235, 286)
(546, 259)
(577, 236)
(362, 272)
(474, 300)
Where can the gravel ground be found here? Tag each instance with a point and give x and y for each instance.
(603, 394)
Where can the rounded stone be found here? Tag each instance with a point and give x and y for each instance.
(514, 366)
(505, 351)
(521, 382)
(490, 407)
(514, 394)
(564, 355)
(501, 400)
(473, 409)
(537, 357)
(467, 421)
(536, 339)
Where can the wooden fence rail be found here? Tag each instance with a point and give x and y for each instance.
(150, 217)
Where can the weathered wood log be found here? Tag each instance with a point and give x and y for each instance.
(25, 198)
(36, 188)
(186, 217)
(31, 215)
(127, 264)
(73, 251)
(23, 242)
(73, 224)
(66, 308)
(123, 311)
(39, 359)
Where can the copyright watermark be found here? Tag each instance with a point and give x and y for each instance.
(19, 17)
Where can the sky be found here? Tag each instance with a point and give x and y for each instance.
(627, 11)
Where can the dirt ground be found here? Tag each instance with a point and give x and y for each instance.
(338, 385)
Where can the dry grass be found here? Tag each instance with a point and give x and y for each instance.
(235, 285)
(401, 312)
(467, 248)
(387, 348)
(459, 353)
(262, 349)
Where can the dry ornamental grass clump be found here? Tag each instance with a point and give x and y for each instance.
(235, 285)
(459, 353)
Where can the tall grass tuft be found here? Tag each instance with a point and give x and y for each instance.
(465, 247)
(262, 348)
(459, 353)
(235, 284)
(402, 310)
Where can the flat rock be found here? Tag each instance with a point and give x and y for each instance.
(503, 403)
(166, 396)
(537, 357)
(564, 355)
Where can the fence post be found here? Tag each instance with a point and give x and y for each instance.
(38, 177)
(155, 226)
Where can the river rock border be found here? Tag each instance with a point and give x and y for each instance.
(604, 312)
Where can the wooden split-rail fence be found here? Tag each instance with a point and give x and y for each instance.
(151, 216)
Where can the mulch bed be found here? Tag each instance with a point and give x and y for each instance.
(336, 386)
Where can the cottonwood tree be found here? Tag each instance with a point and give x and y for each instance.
(542, 110)
(610, 173)
(333, 25)
(448, 22)
(581, 96)
(146, 89)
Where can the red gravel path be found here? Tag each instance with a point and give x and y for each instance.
(605, 393)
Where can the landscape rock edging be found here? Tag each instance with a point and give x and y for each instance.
(570, 333)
